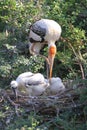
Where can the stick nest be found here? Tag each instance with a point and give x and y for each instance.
(43, 105)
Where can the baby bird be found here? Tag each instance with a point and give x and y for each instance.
(30, 84)
(56, 86)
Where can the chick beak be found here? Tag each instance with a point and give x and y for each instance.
(15, 92)
(51, 56)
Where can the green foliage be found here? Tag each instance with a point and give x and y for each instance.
(13, 63)
(73, 48)
(28, 123)
(6, 8)
(71, 115)
(16, 16)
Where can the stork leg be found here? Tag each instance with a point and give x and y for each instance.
(33, 52)
(44, 57)
(47, 67)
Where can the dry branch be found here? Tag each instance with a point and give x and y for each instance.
(54, 104)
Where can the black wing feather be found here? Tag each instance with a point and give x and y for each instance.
(38, 30)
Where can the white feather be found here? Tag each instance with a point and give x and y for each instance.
(30, 84)
(53, 32)
(56, 86)
(35, 84)
(34, 36)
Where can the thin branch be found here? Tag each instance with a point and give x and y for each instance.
(5, 95)
(79, 56)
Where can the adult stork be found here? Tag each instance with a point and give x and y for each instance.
(43, 32)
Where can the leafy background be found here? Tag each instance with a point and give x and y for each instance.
(16, 16)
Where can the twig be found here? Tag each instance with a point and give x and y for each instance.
(11, 102)
(1, 99)
(77, 55)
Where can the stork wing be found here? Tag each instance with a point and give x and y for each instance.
(36, 79)
(38, 30)
(25, 75)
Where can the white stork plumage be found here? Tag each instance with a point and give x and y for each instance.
(32, 84)
(43, 32)
(56, 86)
(29, 83)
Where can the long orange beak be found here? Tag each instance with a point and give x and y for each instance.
(51, 56)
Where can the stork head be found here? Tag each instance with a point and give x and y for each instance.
(51, 56)
(14, 86)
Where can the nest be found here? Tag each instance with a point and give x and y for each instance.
(43, 105)
(49, 107)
